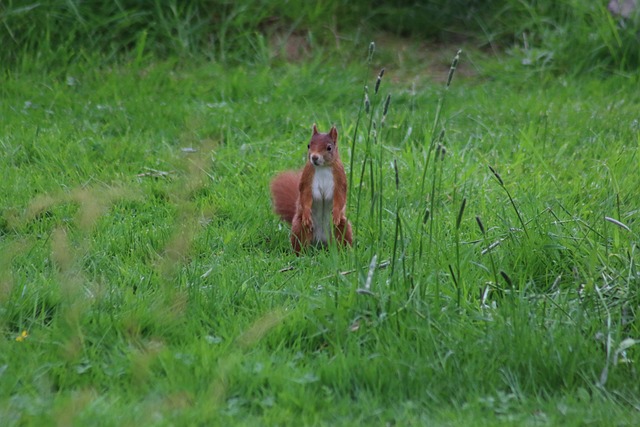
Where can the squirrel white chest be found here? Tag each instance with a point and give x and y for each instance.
(322, 186)
(322, 207)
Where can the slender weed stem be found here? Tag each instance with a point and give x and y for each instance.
(513, 203)
(494, 271)
(365, 104)
(458, 279)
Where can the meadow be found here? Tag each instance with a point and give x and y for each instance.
(144, 279)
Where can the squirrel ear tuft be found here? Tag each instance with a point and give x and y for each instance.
(315, 129)
(333, 134)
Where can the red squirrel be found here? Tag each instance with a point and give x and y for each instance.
(314, 200)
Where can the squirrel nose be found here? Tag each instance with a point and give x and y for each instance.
(315, 159)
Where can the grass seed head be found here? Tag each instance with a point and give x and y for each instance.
(454, 65)
(460, 213)
(372, 49)
(480, 225)
(379, 81)
(372, 268)
(616, 222)
(425, 218)
(260, 328)
(395, 170)
(61, 251)
(507, 279)
(387, 101)
(497, 175)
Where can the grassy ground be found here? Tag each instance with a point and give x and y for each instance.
(144, 279)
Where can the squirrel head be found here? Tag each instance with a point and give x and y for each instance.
(323, 147)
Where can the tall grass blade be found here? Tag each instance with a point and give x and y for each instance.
(513, 203)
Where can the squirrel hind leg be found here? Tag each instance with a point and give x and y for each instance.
(300, 237)
(344, 233)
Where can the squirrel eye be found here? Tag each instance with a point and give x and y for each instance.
(329, 147)
(308, 146)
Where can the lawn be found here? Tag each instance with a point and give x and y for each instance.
(144, 279)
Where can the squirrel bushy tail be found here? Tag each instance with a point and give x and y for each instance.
(284, 192)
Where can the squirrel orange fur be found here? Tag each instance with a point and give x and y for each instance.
(314, 200)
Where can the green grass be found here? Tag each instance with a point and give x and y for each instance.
(139, 251)
(573, 36)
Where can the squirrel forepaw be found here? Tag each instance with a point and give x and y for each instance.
(307, 222)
